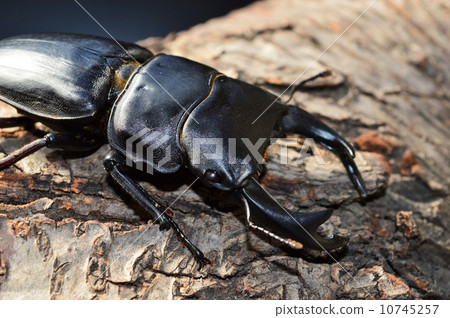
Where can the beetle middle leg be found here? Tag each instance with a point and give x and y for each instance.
(115, 164)
(301, 122)
(51, 140)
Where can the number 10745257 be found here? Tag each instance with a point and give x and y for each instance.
(413, 309)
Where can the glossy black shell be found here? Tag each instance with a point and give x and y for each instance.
(64, 79)
(156, 106)
(87, 84)
(158, 98)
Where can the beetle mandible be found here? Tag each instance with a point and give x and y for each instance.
(92, 90)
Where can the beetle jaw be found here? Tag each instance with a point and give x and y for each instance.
(290, 242)
(294, 229)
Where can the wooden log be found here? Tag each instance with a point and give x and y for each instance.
(66, 232)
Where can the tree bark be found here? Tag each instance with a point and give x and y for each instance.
(66, 232)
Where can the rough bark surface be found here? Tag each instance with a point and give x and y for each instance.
(66, 232)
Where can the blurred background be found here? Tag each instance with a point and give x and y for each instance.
(129, 20)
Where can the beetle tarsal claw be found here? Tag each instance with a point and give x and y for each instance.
(203, 262)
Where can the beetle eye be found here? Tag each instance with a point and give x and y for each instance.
(212, 176)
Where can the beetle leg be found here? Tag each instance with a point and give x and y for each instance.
(23, 152)
(15, 121)
(52, 140)
(115, 165)
(301, 122)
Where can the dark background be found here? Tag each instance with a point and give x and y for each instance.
(128, 20)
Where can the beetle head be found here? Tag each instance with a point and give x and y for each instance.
(224, 163)
(223, 148)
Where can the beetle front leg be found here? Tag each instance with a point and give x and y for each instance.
(115, 164)
(301, 122)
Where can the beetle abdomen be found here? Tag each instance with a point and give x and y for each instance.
(63, 78)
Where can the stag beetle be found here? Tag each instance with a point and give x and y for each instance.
(91, 91)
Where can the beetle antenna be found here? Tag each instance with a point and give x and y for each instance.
(294, 88)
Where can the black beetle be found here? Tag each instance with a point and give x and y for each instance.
(92, 90)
